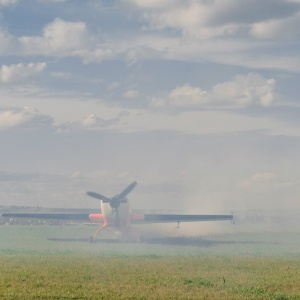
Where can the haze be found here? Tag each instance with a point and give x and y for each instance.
(197, 102)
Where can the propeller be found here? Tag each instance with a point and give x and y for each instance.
(114, 201)
(128, 190)
(98, 196)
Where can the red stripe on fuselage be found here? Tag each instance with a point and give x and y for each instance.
(97, 218)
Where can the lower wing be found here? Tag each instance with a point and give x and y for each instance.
(71, 217)
(135, 218)
(167, 218)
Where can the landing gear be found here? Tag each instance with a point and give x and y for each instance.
(92, 238)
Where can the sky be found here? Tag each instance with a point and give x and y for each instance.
(198, 101)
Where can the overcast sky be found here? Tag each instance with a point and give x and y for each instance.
(196, 100)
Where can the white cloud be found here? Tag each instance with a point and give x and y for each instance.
(19, 72)
(59, 38)
(27, 117)
(231, 32)
(52, 1)
(8, 2)
(6, 42)
(274, 29)
(205, 19)
(151, 3)
(183, 96)
(74, 114)
(131, 93)
(63, 75)
(64, 39)
(261, 179)
(97, 55)
(243, 90)
(190, 18)
(139, 50)
(93, 122)
(201, 122)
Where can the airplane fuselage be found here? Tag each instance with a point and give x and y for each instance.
(108, 215)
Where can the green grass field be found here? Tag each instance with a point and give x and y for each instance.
(231, 266)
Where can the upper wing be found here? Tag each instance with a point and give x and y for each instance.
(165, 218)
(74, 217)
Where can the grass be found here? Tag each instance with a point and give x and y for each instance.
(235, 266)
(143, 277)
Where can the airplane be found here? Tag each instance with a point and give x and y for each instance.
(115, 212)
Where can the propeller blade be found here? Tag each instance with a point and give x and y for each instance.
(128, 190)
(98, 196)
